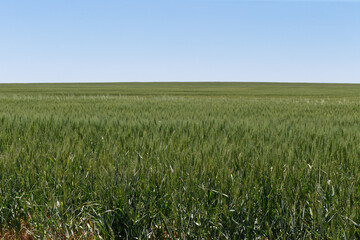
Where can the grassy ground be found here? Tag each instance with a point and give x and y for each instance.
(180, 161)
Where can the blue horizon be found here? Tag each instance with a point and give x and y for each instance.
(181, 41)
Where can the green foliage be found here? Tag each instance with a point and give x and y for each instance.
(180, 160)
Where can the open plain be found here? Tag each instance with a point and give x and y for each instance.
(180, 161)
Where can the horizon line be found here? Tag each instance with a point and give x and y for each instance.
(96, 82)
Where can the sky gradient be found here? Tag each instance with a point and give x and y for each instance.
(179, 40)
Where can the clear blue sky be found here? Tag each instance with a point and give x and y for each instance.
(179, 40)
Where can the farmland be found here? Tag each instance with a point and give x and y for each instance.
(180, 161)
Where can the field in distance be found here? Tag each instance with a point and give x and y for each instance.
(186, 89)
(180, 161)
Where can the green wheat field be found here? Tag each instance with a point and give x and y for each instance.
(180, 161)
